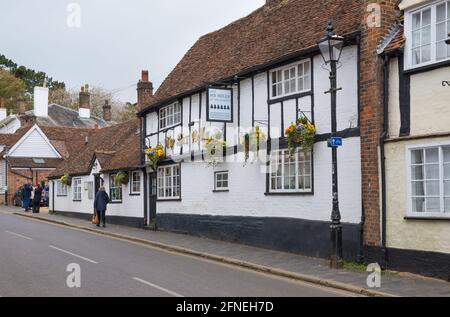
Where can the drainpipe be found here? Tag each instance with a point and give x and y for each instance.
(382, 152)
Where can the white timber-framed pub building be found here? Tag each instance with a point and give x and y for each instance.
(276, 200)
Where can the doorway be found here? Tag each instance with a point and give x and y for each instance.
(152, 198)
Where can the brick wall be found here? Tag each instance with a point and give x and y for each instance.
(18, 178)
(372, 115)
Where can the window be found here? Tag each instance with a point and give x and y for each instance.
(170, 116)
(90, 190)
(61, 189)
(115, 189)
(169, 182)
(135, 183)
(76, 189)
(221, 181)
(290, 173)
(291, 79)
(430, 181)
(428, 30)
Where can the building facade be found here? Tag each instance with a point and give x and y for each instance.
(279, 201)
(417, 145)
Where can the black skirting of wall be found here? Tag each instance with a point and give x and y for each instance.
(311, 238)
(114, 220)
(431, 264)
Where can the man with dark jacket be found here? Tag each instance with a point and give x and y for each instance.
(37, 199)
(100, 205)
(26, 196)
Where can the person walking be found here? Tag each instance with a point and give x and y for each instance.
(26, 196)
(37, 199)
(100, 205)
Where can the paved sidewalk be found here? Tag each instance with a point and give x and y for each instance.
(286, 264)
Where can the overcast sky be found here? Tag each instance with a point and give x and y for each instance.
(116, 38)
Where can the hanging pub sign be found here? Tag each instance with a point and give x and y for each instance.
(220, 104)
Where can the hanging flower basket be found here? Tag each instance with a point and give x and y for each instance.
(122, 178)
(66, 180)
(214, 150)
(301, 134)
(155, 155)
(252, 142)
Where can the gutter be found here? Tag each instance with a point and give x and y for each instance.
(383, 137)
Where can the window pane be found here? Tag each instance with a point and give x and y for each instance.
(447, 205)
(426, 35)
(440, 13)
(447, 188)
(433, 205)
(416, 39)
(416, 21)
(426, 53)
(418, 189)
(446, 151)
(418, 204)
(432, 156)
(432, 188)
(416, 56)
(417, 157)
(441, 50)
(417, 173)
(447, 171)
(426, 17)
(432, 171)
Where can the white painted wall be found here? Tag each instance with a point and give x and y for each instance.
(248, 184)
(34, 144)
(131, 206)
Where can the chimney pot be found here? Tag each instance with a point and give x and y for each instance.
(144, 75)
(84, 109)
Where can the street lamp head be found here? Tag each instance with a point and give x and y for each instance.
(331, 45)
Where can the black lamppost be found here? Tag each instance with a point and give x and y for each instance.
(331, 48)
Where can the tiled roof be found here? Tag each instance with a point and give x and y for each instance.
(276, 30)
(116, 147)
(397, 42)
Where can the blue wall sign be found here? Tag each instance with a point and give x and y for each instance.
(335, 142)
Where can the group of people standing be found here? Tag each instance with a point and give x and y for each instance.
(32, 196)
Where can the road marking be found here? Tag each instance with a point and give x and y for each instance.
(18, 235)
(73, 254)
(157, 287)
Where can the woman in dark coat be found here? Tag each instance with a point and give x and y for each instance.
(100, 205)
(26, 196)
(37, 199)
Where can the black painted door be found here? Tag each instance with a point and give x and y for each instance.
(153, 196)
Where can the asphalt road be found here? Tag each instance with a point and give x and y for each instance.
(34, 257)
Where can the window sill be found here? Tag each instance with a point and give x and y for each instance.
(290, 194)
(221, 191)
(168, 200)
(135, 194)
(418, 218)
(427, 67)
(77, 201)
(116, 202)
(282, 98)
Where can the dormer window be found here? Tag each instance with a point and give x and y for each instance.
(426, 31)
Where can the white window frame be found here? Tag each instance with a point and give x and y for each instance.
(409, 35)
(298, 174)
(170, 116)
(409, 203)
(90, 189)
(218, 183)
(77, 189)
(168, 185)
(136, 182)
(284, 83)
(114, 186)
(61, 189)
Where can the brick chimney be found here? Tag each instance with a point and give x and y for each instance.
(84, 109)
(371, 114)
(144, 91)
(22, 106)
(107, 111)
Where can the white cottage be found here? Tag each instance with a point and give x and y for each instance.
(107, 152)
(270, 65)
